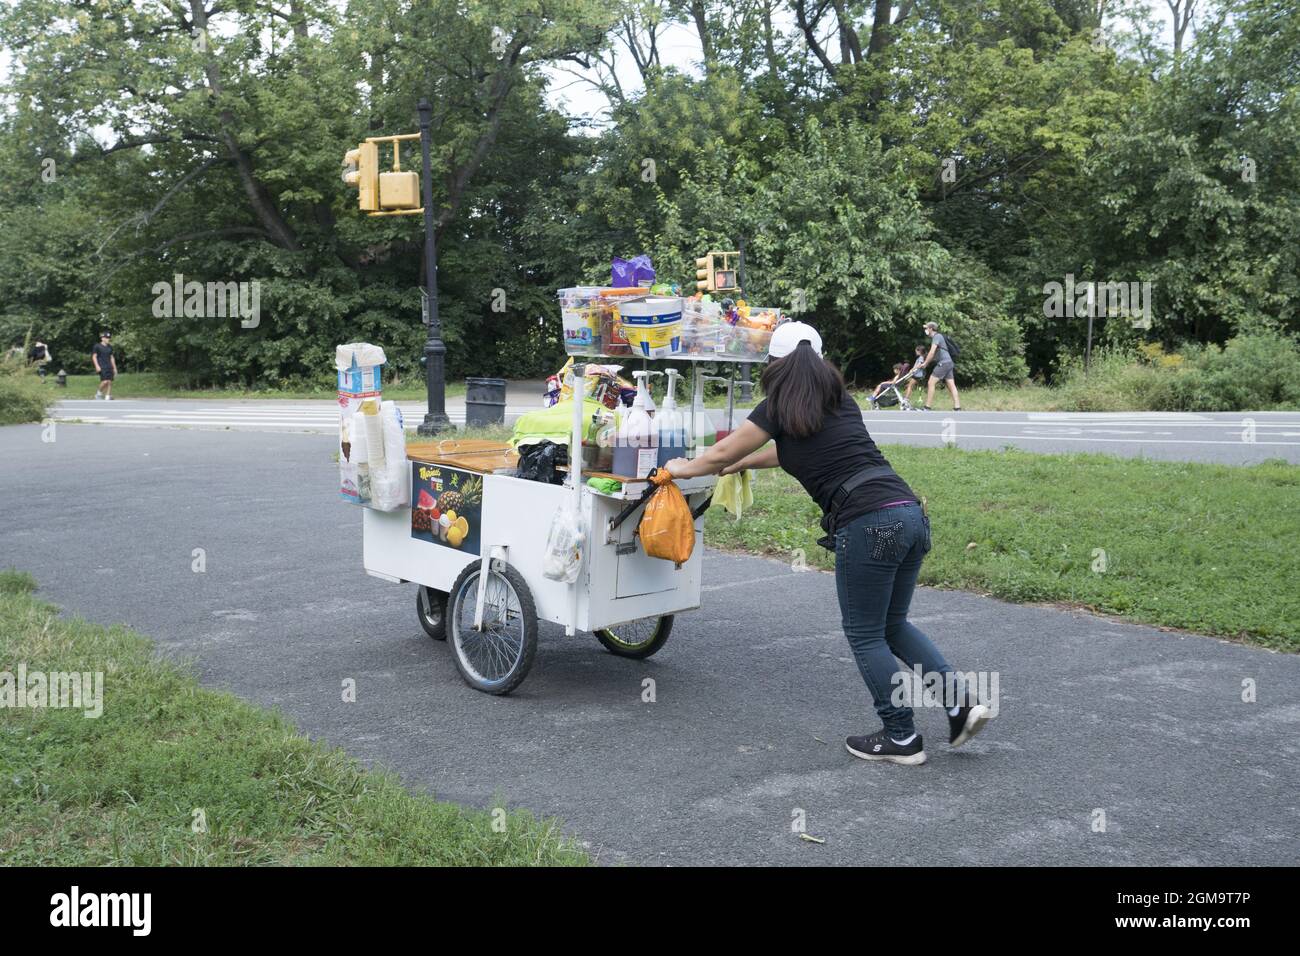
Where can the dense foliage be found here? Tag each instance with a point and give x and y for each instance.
(883, 164)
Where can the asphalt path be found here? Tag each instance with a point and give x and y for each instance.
(1232, 438)
(1115, 743)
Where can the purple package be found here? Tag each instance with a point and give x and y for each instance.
(636, 271)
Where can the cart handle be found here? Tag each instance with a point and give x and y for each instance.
(632, 506)
(627, 511)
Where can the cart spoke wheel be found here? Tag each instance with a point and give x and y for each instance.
(497, 657)
(637, 639)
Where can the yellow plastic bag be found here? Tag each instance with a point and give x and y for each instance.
(734, 493)
(667, 529)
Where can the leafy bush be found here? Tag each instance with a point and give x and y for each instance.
(23, 397)
(1256, 372)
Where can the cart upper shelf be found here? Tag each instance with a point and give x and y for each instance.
(679, 357)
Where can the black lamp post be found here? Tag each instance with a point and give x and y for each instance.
(746, 369)
(435, 420)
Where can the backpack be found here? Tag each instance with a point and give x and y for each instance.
(954, 350)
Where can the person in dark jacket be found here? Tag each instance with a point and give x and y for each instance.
(878, 528)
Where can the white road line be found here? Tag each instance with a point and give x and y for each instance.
(1111, 416)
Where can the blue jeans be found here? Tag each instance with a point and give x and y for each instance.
(877, 560)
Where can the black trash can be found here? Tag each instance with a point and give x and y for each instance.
(485, 401)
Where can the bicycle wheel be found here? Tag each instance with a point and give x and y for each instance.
(498, 657)
(637, 639)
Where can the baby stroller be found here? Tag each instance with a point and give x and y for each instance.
(888, 395)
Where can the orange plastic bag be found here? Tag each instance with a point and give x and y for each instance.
(667, 529)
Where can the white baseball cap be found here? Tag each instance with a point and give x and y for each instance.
(787, 337)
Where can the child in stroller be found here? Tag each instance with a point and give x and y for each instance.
(887, 395)
(917, 375)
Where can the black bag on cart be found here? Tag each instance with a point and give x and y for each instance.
(539, 462)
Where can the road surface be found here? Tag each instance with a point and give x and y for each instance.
(1232, 438)
(1116, 744)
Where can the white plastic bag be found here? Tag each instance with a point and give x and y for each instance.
(564, 546)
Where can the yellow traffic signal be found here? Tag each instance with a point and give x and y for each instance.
(704, 273)
(712, 276)
(399, 190)
(392, 193)
(361, 169)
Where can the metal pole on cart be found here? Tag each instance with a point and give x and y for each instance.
(746, 368)
(575, 477)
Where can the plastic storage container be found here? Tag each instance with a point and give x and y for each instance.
(750, 337)
(580, 313)
(702, 328)
(613, 340)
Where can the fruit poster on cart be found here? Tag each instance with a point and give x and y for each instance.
(446, 506)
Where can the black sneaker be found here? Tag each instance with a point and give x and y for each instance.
(879, 746)
(968, 722)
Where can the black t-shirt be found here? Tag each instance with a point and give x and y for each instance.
(105, 353)
(827, 458)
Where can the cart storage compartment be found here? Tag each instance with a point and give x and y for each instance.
(638, 573)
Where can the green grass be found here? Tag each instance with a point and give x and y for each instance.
(160, 385)
(123, 789)
(22, 398)
(1209, 548)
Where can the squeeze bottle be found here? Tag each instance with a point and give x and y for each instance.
(702, 433)
(637, 431)
(672, 433)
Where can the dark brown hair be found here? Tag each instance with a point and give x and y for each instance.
(800, 389)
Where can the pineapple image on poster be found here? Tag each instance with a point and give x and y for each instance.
(446, 506)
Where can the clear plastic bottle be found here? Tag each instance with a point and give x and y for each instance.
(701, 428)
(672, 432)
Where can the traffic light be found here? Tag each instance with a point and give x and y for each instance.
(712, 276)
(704, 273)
(392, 193)
(361, 169)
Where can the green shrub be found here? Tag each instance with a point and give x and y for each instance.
(23, 397)
(1255, 372)
(1117, 381)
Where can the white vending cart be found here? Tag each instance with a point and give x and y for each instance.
(474, 541)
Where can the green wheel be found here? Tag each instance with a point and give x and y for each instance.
(637, 639)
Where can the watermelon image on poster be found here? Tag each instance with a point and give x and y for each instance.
(446, 506)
